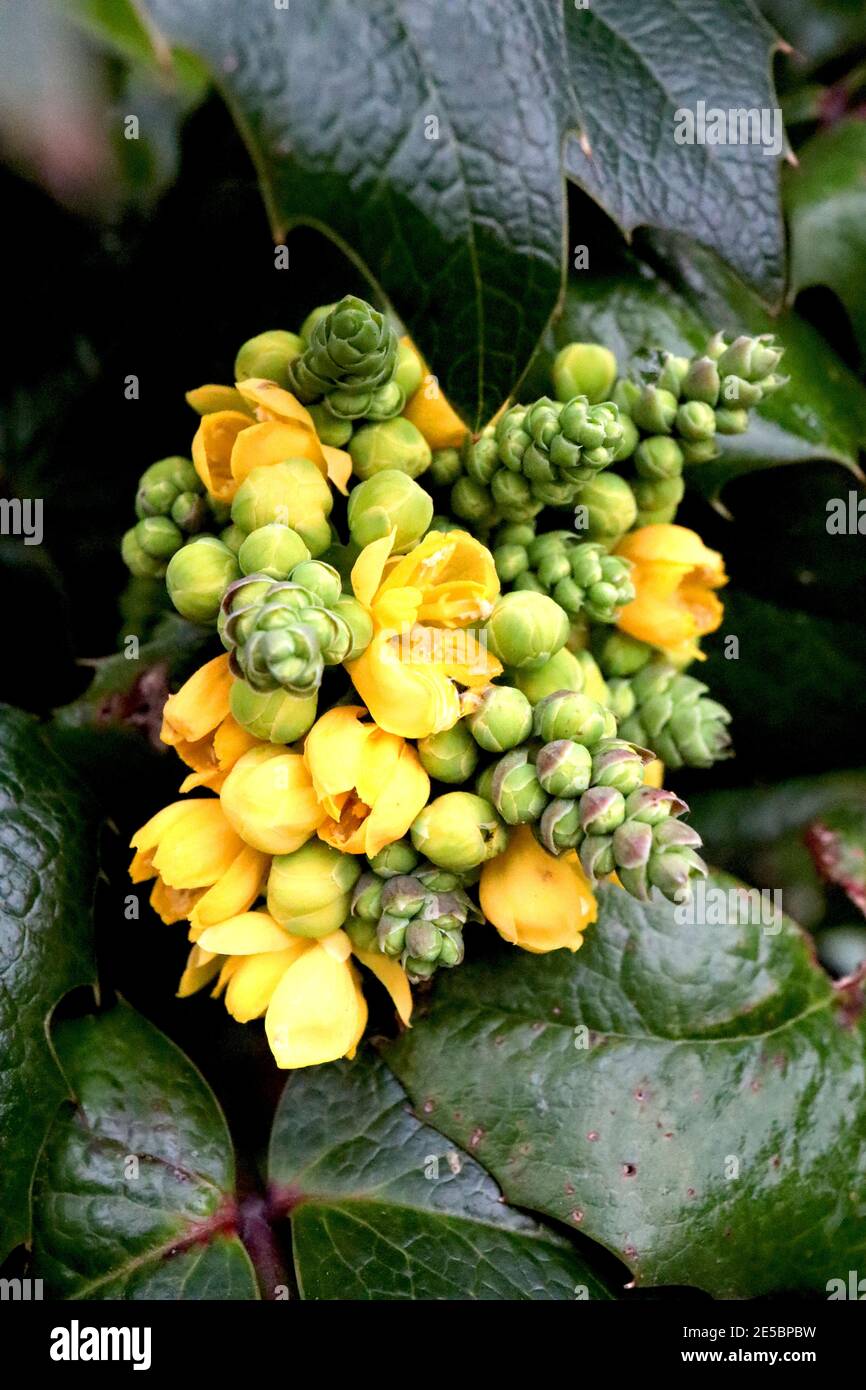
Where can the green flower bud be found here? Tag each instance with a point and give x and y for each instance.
(564, 767)
(569, 714)
(511, 493)
(602, 809)
(510, 561)
(553, 566)
(351, 350)
(445, 524)
(696, 421)
(409, 370)
(621, 655)
(659, 456)
(391, 444)
(385, 402)
(362, 934)
(622, 700)
(606, 508)
(320, 579)
(559, 828)
(391, 934)
(313, 317)
(526, 629)
(731, 421)
(655, 494)
(562, 672)
(472, 502)
(451, 950)
(584, 369)
(422, 942)
(700, 450)
(158, 537)
(137, 561)
(629, 441)
(275, 715)
(330, 430)
(268, 355)
(359, 623)
(751, 358)
(671, 715)
(389, 501)
(285, 653)
(190, 512)
(672, 373)
(197, 577)
(367, 898)
(308, 891)
(480, 457)
(528, 580)
(655, 410)
(484, 782)
(294, 494)
(618, 764)
(702, 381)
(273, 550)
(449, 756)
(625, 395)
(501, 720)
(458, 831)
(517, 793)
(403, 896)
(162, 483)
(445, 467)
(737, 393)
(549, 545)
(553, 494)
(397, 858)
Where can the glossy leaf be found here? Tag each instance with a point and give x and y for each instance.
(134, 1196)
(47, 877)
(689, 1094)
(383, 1208)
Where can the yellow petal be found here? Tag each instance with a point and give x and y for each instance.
(392, 975)
(333, 751)
(270, 800)
(368, 569)
(535, 900)
(200, 969)
(254, 979)
(403, 697)
(212, 449)
(430, 413)
(246, 935)
(207, 399)
(150, 834)
(398, 803)
(273, 402)
(173, 904)
(271, 442)
(235, 890)
(317, 1013)
(198, 849)
(339, 466)
(200, 704)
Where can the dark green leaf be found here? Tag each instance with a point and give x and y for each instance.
(134, 1196)
(826, 201)
(634, 66)
(820, 414)
(818, 29)
(794, 688)
(47, 877)
(382, 1208)
(693, 1094)
(427, 140)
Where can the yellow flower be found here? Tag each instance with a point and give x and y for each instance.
(201, 865)
(535, 900)
(196, 722)
(257, 424)
(370, 783)
(431, 414)
(422, 605)
(269, 799)
(674, 575)
(308, 990)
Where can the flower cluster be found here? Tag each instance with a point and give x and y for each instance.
(409, 732)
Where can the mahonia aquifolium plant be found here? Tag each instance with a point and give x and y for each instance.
(412, 730)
